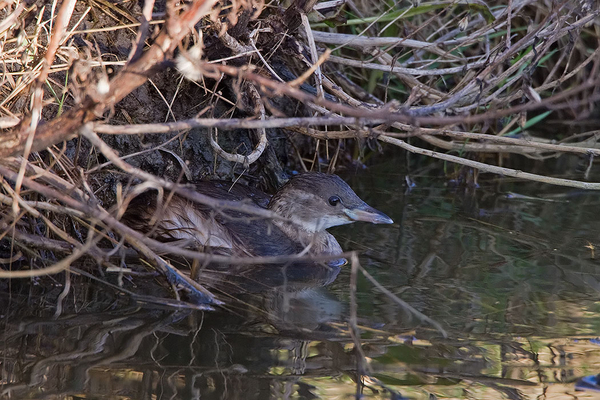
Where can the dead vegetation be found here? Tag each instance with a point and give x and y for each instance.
(90, 106)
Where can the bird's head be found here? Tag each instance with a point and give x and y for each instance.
(317, 201)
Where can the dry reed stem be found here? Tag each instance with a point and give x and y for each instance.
(490, 76)
(149, 247)
(136, 239)
(133, 75)
(483, 167)
(357, 128)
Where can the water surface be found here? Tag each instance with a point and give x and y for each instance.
(508, 270)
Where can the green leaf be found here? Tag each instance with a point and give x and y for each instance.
(529, 123)
(474, 5)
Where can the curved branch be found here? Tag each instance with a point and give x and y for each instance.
(262, 141)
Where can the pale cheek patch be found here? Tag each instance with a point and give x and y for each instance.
(333, 220)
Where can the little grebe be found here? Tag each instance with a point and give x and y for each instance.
(308, 203)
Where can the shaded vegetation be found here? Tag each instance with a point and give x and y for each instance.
(100, 101)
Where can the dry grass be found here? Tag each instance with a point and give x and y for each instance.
(456, 76)
(91, 116)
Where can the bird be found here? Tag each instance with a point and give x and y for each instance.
(305, 207)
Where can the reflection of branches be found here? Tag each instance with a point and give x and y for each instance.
(247, 349)
(94, 347)
(405, 306)
(363, 368)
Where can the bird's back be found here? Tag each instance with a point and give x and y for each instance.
(223, 231)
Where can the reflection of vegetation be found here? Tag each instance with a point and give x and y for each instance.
(509, 279)
(490, 260)
(511, 304)
(141, 352)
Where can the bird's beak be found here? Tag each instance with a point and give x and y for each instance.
(367, 213)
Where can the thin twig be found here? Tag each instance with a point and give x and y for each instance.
(262, 136)
(490, 168)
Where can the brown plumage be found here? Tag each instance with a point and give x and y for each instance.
(308, 204)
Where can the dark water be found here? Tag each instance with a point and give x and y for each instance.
(508, 270)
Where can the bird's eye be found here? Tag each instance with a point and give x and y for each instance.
(334, 200)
